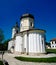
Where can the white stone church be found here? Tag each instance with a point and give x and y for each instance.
(27, 40)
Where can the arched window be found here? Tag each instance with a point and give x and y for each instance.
(16, 31)
(31, 24)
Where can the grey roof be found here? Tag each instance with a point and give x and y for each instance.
(26, 15)
(34, 30)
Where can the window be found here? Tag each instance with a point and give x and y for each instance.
(52, 46)
(55, 42)
(31, 24)
(12, 47)
(52, 42)
(16, 31)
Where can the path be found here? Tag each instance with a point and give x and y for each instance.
(13, 61)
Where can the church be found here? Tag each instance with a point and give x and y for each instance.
(26, 39)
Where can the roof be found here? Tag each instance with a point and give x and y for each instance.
(26, 15)
(32, 30)
(40, 30)
(54, 39)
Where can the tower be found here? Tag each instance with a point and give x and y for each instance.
(15, 29)
(26, 22)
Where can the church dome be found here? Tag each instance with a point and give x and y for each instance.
(27, 15)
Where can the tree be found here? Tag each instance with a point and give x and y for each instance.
(1, 41)
(6, 44)
(1, 36)
(47, 43)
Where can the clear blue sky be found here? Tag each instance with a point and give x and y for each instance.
(44, 12)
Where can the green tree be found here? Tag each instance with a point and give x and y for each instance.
(1, 36)
(1, 41)
(6, 44)
(47, 43)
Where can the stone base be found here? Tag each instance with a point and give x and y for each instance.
(37, 54)
(31, 54)
(16, 52)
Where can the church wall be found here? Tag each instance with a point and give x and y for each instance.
(41, 43)
(31, 42)
(13, 32)
(18, 44)
(31, 21)
(33, 46)
(24, 25)
(36, 45)
(25, 42)
(10, 44)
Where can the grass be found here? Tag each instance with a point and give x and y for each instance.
(1, 63)
(47, 60)
(51, 51)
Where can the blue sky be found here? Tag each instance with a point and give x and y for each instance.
(44, 12)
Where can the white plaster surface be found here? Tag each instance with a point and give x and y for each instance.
(18, 44)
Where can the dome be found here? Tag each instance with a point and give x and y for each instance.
(27, 15)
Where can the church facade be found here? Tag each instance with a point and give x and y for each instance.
(27, 40)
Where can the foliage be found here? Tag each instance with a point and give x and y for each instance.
(3, 44)
(51, 51)
(1, 36)
(1, 47)
(48, 60)
(47, 43)
(1, 39)
(6, 44)
(1, 63)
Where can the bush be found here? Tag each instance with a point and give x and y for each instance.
(1, 63)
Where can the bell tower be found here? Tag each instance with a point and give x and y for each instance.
(26, 22)
(15, 29)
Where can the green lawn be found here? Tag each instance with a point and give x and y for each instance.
(48, 60)
(1, 63)
(51, 51)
